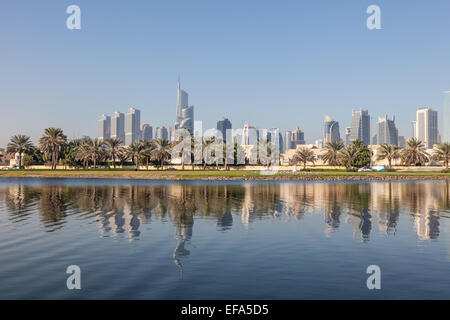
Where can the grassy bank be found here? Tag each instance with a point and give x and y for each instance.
(223, 175)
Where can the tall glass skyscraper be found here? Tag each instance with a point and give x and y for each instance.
(331, 130)
(223, 125)
(360, 127)
(426, 126)
(118, 126)
(104, 127)
(161, 133)
(146, 132)
(387, 132)
(132, 126)
(185, 113)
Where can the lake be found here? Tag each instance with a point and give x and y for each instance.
(136, 239)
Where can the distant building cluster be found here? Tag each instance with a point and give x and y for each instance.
(127, 127)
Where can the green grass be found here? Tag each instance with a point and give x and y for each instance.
(219, 175)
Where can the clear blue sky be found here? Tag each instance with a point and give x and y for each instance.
(271, 63)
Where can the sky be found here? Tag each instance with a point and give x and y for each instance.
(269, 63)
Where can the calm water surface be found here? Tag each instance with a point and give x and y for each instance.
(231, 240)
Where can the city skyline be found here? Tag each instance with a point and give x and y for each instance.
(385, 129)
(281, 75)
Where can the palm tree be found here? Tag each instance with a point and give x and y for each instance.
(441, 152)
(304, 155)
(52, 143)
(162, 151)
(83, 152)
(389, 152)
(415, 153)
(122, 154)
(348, 154)
(136, 152)
(97, 149)
(331, 155)
(113, 145)
(19, 144)
(148, 146)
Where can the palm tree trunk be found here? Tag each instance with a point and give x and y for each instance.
(20, 159)
(114, 159)
(162, 163)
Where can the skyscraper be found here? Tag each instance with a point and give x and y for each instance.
(297, 138)
(118, 126)
(401, 141)
(223, 125)
(287, 140)
(330, 130)
(446, 133)
(104, 127)
(387, 132)
(146, 132)
(250, 135)
(348, 132)
(275, 137)
(185, 113)
(132, 126)
(161, 133)
(426, 128)
(360, 127)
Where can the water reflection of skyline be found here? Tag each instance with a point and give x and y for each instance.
(122, 209)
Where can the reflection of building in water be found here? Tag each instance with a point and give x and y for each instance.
(248, 206)
(225, 222)
(427, 225)
(183, 233)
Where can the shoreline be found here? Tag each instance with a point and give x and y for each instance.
(225, 175)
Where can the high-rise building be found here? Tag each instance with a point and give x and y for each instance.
(132, 126)
(287, 140)
(161, 133)
(401, 141)
(348, 132)
(297, 138)
(330, 130)
(275, 137)
(118, 126)
(146, 132)
(426, 128)
(104, 127)
(250, 135)
(446, 133)
(223, 125)
(185, 113)
(387, 132)
(360, 127)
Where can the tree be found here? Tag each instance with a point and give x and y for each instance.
(304, 155)
(113, 145)
(97, 150)
(363, 158)
(414, 153)
(122, 155)
(348, 155)
(136, 152)
(19, 144)
(441, 152)
(148, 146)
(52, 143)
(389, 152)
(162, 151)
(83, 152)
(331, 155)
